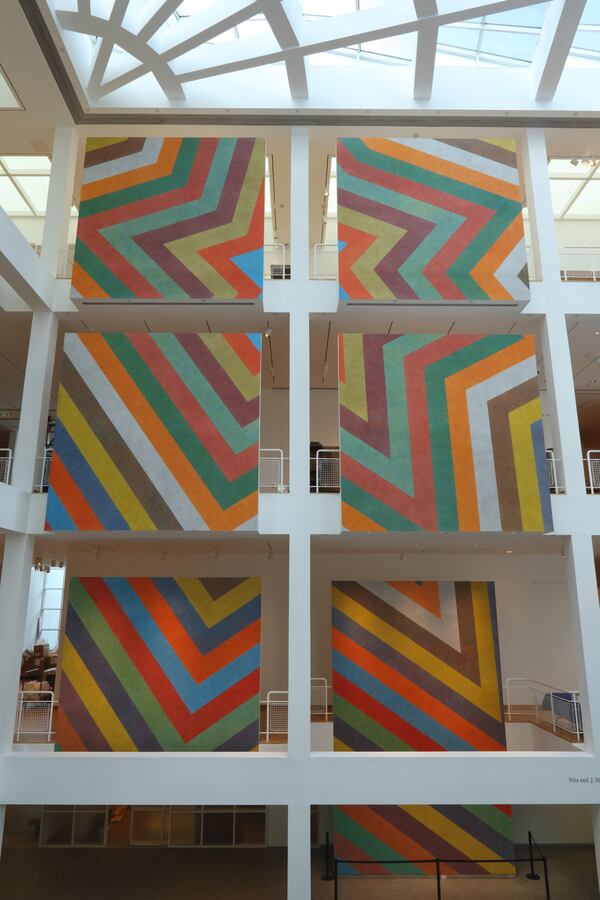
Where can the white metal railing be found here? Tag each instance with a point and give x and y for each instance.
(6, 457)
(33, 722)
(43, 470)
(592, 466)
(277, 713)
(327, 476)
(580, 263)
(275, 254)
(552, 472)
(325, 257)
(559, 708)
(277, 707)
(272, 470)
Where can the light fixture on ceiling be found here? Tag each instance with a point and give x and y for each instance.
(268, 331)
(589, 163)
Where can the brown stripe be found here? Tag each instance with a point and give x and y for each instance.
(113, 151)
(489, 151)
(117, 449)
(504, 461)
(216, 587)
(464, 661)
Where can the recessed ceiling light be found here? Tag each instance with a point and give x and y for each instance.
(508, 551)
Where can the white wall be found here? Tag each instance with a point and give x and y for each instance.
(34, 608)
(273, 573)
(553, 824)
(274, 418)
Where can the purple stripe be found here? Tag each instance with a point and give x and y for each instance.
(81, 721)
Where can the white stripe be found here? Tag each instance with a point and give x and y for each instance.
(444, 627)
(507, 273)
(157, 471)
(478, 398)
(147, 156)
(462, 158)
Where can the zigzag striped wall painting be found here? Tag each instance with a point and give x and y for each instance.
(424, 219)
(156, 432)
(460, 833)
(416, 667)
(441, 433)
(171, 219)
(160, 664)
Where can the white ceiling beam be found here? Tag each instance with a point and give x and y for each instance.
(21, 267)
(558, 32)
(204, 26)
(106, 45)
(426, 50)
(338, 31)
(286, 21)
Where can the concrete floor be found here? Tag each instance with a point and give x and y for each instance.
(169, 874)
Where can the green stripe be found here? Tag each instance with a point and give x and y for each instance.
(124, 668)
(102, 275)
(228, 726)
(495, 818)
(226, 492)
(370, 845)
(389, 519)
(367, 726)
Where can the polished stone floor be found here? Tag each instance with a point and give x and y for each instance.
(169, 874)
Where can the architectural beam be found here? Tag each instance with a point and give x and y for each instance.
(285, 20)
(556, 39)
(426, 50)
(22, 268)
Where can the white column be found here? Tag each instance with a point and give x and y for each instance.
(596, 827)
(539, 205)
(36, 398)
(60, 198)
(299, 649)
(561, 397)
(298, 854)
(14, 593)
(299, 205)
(585, 612)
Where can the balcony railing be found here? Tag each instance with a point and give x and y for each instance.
(33, 721)
(277, 708)
(553, 709)
(6, 456)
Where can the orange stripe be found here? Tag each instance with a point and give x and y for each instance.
(420, 698)
(426, 594)
(246, 350)
(65, 735)
(446, 168)
(353, 520)
(72, 498)
(458, 419)
(396, 840)
(484, 272)
(163, 166)
(198, 665)
(84, 284)
(163, 442)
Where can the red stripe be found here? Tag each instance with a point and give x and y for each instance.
(71, 497)
(247, 351)
(381, 714)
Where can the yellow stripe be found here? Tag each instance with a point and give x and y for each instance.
(94, 700)
(247, 384)
(486, 647)
(521, 420)
(353, 391)
(455, 835)
(102, 465)
(98, 143)
(340, 747)
(214, 611)
(480, 696)
(386, 238)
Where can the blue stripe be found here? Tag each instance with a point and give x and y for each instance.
(397, 704)
(57, 517)
(194, 695)
(539, 452)
(81, 473)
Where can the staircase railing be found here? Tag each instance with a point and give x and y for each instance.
(547, 704)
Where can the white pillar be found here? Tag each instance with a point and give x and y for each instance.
(36, 398)
(60, 198)
(539, 205)
(14, 593)
(298, 854)
(596, 827)
(561, 397)
(299, 205)
(299, 649)
(585, 612)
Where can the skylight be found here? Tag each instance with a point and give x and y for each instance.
(24, 182)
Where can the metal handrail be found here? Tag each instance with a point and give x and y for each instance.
(327, 475)
(41, 483)
(570, 722)
(282, 248)
(276, 461)
(34, 702)
(6, 458)
(280, 700)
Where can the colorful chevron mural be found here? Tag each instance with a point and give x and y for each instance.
(425, 219)
(416, 667)
(171, 219)
(441, 433)
(460, 833)
(159, 664)
(156, 432)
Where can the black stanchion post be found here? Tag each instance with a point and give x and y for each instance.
(328, 874)
(335, 879)
(438, 879)
(546, 879)
(532, 874)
